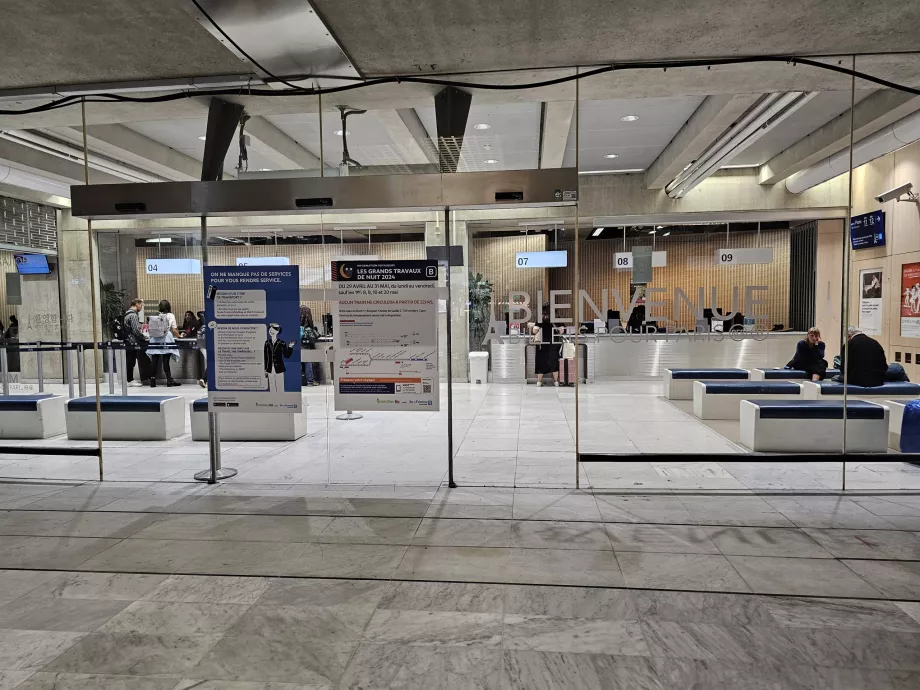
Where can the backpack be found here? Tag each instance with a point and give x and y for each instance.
(158, 326)
(308, 336)
(119, 330)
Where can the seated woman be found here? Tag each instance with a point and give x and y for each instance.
(809, 355)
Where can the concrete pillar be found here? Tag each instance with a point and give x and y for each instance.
(77, 290)
(40, 320)
(458, 308)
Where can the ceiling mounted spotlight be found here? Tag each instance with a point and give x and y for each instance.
(597, 232)
(612, 155)
(629, 118)
(667, 233)
(491, 161)
(341, 132)
(265, 169)
(652, 232)
(202, 138)
(659, 227)
(482, 125)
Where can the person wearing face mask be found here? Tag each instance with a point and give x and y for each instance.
(809, 355)
(276, 351)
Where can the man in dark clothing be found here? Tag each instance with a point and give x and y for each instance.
(135, 344)
(809, 356)
(865, 360)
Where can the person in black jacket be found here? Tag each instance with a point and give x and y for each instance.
(809, 355)
(275, 352)
(864, 361)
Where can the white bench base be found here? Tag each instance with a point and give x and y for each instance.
(45, 422)
(237, 426)
(728, 406)
(126, 425)
(682, 389)
(895, 420)
(811, 435)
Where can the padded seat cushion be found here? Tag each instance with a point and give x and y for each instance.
(741, 374)
(754, 388)
(200, 405)
(793, 373)
(22, 403)
(818, 409)
(891, 388)
(119, 403)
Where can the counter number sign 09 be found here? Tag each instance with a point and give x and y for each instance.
(726, 258)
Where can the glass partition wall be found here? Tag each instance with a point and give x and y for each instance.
(696, 240)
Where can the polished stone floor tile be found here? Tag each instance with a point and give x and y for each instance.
(50, 552)
(174, 618)
(569, 602)
(387, 507)
(325, 593)
(385, 666)
(469, 510)
(827, 512)
(444, 596)
(21, 650)
(550, 505)
(531, 670)
(31, 522)
(658, 509)
(534, 534)
(100, 586)
(563, 567)
(735, 510)
(895, 580)
(112, 525)
(345, 560)
(246, 558)
(457, 563)
(803, 576)
(197, 684)
(134, 654)
(16, 583)
(83, 681)
(209, 589)
(839, 613)
(702, 607)
(434, 628)
(273, 528)
(660, 538)
(680, 571)
(67, 615)
(146, 555)
(575, 635)
(866, 649)
(369, 530)
(448, 532)
(729, 643)
(868, 543)
(766, 541)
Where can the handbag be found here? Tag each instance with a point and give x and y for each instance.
(568, 350)
(536, 338)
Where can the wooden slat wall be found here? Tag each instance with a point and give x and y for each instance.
(494, 257)
(186, 292)
(690, 266)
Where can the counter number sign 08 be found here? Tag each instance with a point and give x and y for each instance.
(622, 261)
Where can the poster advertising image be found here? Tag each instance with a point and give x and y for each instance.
(386, 335)
(870, 301)
(252, 314)
(910, 300)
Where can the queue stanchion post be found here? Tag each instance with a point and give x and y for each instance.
(68, 368)
(4, 370)
(81, 371)
(39, 368)
(349, 416)
(110, 359)
(123, 368)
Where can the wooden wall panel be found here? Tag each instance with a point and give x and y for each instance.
(690, 267)
(494, 257)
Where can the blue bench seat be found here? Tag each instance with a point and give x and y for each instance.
(127, 417)
(31, 416)
(780, 374)
(893, 390)
(679, 382)
(722, 399)
(813, 426)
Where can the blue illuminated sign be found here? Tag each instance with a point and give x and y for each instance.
(867, 230)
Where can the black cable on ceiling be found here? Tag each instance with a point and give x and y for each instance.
(68, 101)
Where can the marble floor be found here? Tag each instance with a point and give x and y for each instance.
(503, 435)
(174, 586)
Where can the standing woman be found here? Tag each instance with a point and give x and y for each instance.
(547, 359)
(163, 333)
(190, 325)
(308, 338)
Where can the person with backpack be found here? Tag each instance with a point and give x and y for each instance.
(163, 331)
(135, 343)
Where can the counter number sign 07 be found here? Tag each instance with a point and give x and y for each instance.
(522, 260)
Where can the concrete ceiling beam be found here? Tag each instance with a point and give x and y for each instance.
(123, 143)
(870, 115)
(714, 115)
(554, 135)
(412, 143)
(274, 143)
(51, 166)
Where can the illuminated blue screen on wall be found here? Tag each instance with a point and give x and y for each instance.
(867, 230)
(30, 264)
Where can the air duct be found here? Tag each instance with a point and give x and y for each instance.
(901, 133)
(26, 180)
(763, 116)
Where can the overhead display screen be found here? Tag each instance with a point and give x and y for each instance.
(263, 261)
(867, 230)
(157, 267)
(558, 259)
(31, 264)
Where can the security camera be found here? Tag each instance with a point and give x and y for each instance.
(897, 192)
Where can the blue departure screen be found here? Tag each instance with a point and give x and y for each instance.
(867, 230)
(29, 264)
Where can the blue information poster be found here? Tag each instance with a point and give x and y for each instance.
(253, 336)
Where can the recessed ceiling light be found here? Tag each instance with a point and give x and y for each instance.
(201, 138)
(667, 233)
(265, 169)
(340, 133)
(491, 161)
(160, 240)
(660, 227)
(629, 118)
(482, 126)
(652, 232)
(487, 147)
(612, 155)
(597, 232)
